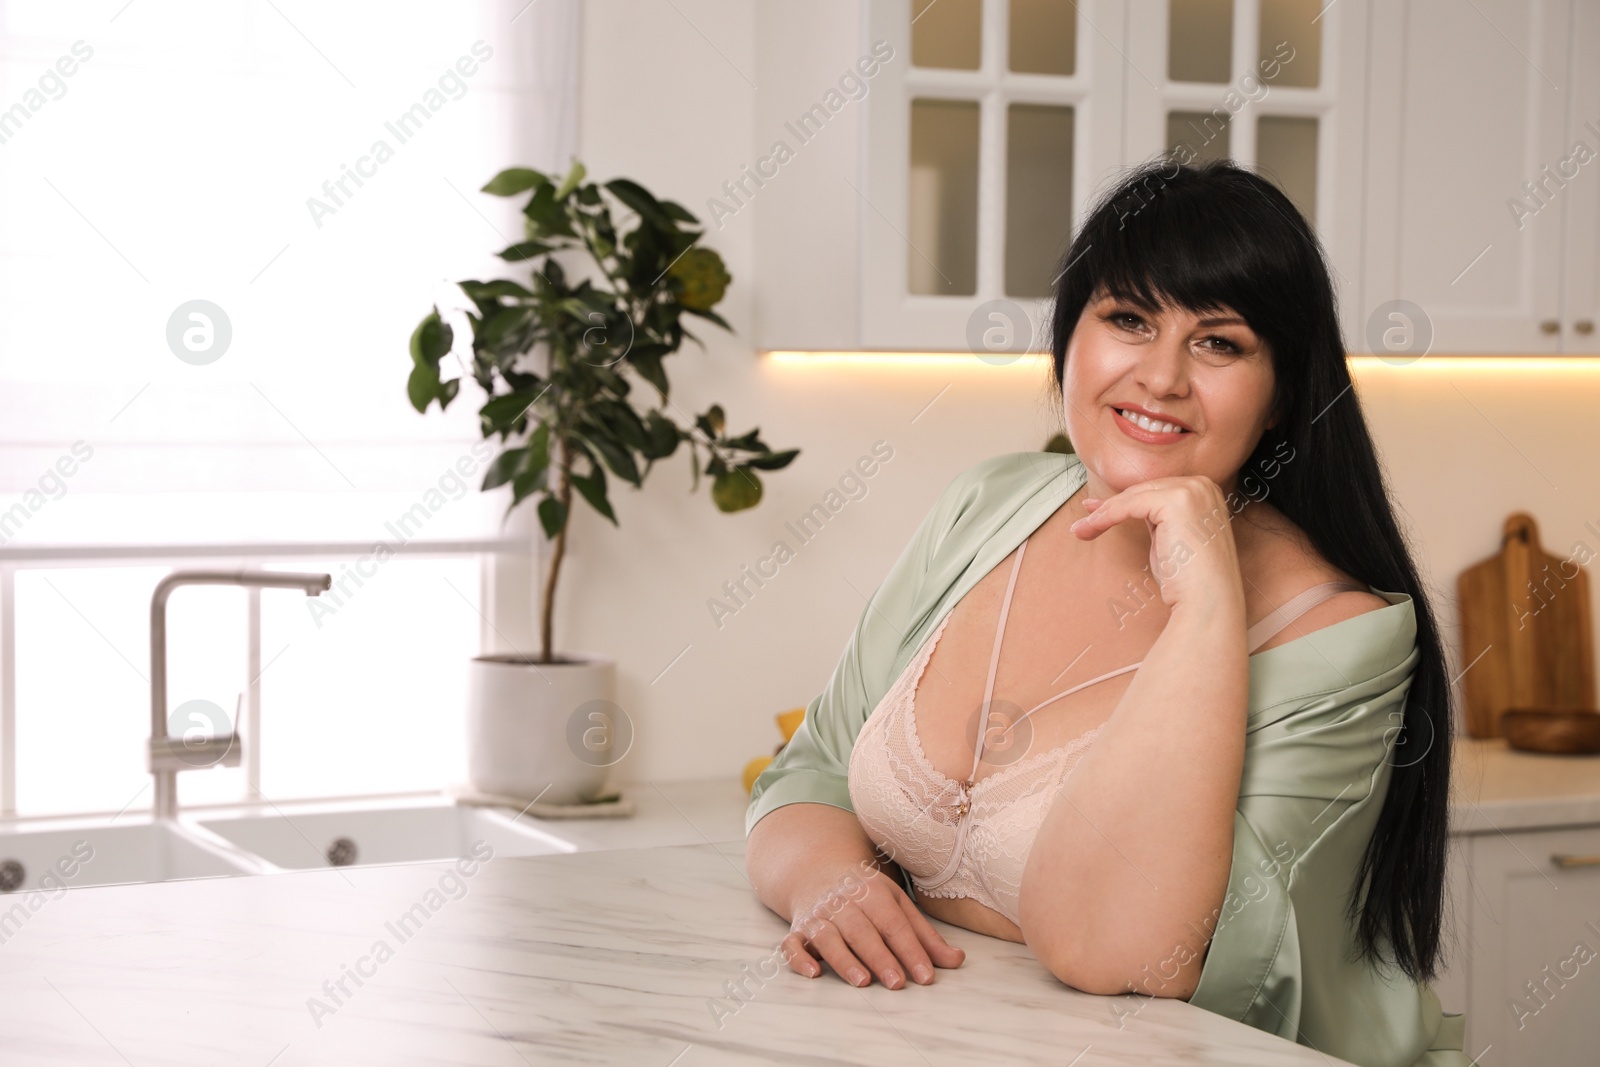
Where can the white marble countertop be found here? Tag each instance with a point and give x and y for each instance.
(1499, 789)
(665, 813)
(616, 956)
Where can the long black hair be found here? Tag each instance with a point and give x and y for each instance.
(1208, 236)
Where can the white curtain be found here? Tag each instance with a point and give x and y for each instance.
(310, 172)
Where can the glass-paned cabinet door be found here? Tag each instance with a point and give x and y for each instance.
(1275, 85)
(1241, 82)
(981, 149)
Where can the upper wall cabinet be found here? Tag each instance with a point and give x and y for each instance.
(1481, 194)
(923, 197)
(1278, 86)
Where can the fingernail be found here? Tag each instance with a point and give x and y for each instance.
(858, 977)
(891, 978)
(922, 973)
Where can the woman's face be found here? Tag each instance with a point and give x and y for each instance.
(1206, 374)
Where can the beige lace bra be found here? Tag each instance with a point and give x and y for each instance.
(972, 838)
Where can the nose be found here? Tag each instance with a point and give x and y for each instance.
(1163, 366)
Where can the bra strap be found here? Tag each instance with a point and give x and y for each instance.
(1258, 635)
(1268, 628)
(954, 862)
(994, 660)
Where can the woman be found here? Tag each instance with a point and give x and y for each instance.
(1213, 761)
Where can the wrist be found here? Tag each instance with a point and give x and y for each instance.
(1222, 612)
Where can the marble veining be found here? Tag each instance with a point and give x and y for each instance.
(628, 956)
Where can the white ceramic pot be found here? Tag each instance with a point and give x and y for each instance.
(545, 730)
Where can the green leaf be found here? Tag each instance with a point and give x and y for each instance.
(620, 418)
(422, 386)
(1059, 442)
(525, 250)
(641, 201)
(552, 516)
(570, 182)
(504, 468)
(431, 341)
(526, 483)
(593, 488)
(736, 490)
(707, 313)
(448, 391)
(514, 180)
(613, 452)
(539, 448)
(547, 217)
(679, 212)
(664, 436)
(773, 461)
(477, 291)
(504, 411)
(712, 422)
(502, 323)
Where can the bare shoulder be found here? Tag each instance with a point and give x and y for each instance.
(1281, 564)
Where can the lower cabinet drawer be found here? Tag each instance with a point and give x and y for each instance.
(1532, 947)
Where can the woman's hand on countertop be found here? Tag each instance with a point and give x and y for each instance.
(865, 924)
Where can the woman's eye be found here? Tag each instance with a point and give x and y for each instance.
(1221, 344)
(1126, 320)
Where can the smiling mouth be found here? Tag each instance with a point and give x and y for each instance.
(1149, 425)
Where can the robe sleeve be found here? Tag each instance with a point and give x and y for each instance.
(1320, 751)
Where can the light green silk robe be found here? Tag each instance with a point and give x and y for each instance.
(1324, 712)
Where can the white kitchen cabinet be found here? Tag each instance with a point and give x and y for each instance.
(1283, 92)
(930, 211)
(1469, 105)
(1530, 947)
(1579, 171)
(1448, 154)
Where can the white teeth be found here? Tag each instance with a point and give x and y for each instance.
(1146, 423)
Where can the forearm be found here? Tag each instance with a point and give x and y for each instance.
(1134, 854)
(796, 851)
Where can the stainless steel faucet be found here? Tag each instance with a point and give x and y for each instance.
(170, 755)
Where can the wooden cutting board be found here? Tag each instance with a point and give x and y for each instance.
(1525, 631)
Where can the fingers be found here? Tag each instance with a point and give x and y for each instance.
(897, 921)
(1148, 500)
(799, 957)
(827, 938)
(881, 933)
(940, 952)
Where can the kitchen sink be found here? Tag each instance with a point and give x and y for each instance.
(411, 831)
(66, 855)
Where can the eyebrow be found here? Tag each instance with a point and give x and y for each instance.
(1223, 320)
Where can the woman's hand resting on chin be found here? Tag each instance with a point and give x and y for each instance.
(1192, 551)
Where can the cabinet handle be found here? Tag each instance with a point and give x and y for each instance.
(1584, 326)
(1549, 326)
(1563, 860)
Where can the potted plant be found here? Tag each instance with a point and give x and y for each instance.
(561, 363)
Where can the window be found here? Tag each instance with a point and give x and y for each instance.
(219, 224)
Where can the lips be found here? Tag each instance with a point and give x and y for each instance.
(1151, 421)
